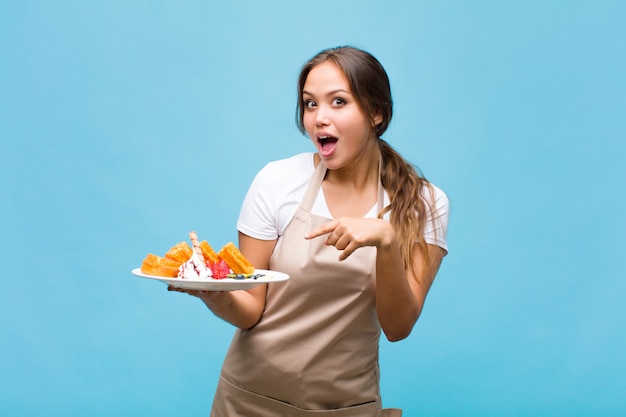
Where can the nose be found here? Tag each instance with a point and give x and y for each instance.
(322, 116)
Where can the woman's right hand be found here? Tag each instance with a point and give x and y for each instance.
(241, 308)
(212, 299)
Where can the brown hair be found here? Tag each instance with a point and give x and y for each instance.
(370, 86)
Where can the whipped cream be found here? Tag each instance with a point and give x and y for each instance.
(195, 269)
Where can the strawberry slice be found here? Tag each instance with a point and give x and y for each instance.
(220, 269)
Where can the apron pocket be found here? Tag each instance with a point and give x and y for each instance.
(232, 401)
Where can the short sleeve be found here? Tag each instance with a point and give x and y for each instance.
(256, 217)
(274, 196)
(436, 228)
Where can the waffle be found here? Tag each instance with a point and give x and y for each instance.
(208, 252)
(181, 252)
(235, 259)
(150, 264)
(160, 266)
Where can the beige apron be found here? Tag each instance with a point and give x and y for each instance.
(315, 350)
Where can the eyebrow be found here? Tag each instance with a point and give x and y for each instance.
(330, 93)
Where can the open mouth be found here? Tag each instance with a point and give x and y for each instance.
(327, 144)
(326, 140)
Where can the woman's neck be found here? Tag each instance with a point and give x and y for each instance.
(360, 174)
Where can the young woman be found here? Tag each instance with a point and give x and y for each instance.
(360, 233)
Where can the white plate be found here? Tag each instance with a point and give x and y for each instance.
(226, 284)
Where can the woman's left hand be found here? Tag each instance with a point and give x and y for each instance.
(347, 234)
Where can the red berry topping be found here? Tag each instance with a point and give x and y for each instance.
(219, 269)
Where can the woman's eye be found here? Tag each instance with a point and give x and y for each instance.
(309, 104)
(338, 101)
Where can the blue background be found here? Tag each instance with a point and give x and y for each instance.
(126, 124)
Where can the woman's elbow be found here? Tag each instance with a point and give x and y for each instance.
(397, 336)
(401, 330)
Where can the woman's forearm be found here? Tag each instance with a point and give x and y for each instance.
(239, 308)
(396, 305)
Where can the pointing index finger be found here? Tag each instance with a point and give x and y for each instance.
(322, 230)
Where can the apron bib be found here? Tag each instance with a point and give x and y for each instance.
(315, 350)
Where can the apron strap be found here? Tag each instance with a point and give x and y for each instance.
(314, 186)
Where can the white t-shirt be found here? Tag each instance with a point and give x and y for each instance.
(277, 190)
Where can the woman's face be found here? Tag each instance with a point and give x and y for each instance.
(332, 118)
